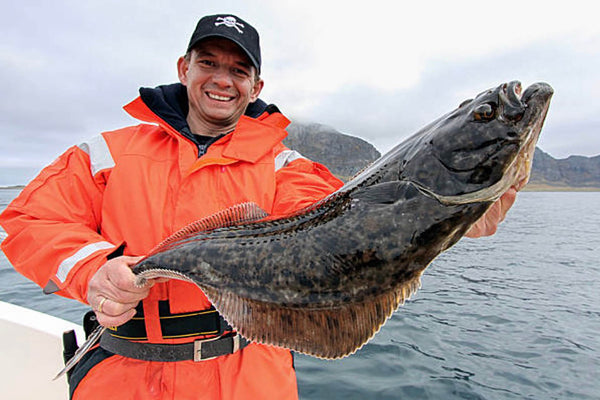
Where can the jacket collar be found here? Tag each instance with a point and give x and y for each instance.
(252, 139)
(255, 134)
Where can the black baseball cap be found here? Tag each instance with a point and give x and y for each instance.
(230, 27)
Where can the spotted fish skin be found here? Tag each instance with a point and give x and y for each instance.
(324, 280)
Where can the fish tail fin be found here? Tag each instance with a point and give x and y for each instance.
(85, 347)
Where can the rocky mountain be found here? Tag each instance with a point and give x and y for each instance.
(345, 155)
(575, 171)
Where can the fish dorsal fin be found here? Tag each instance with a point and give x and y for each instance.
(235, 215)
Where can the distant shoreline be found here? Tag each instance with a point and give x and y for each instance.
(12, 187)
(541, 187)
(531, 187)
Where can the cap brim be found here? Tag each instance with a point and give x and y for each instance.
(240, 45)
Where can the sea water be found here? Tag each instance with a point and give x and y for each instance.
(513, 316)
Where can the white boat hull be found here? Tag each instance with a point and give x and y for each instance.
(32, 353)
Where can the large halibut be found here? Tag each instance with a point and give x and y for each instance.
(324, 280)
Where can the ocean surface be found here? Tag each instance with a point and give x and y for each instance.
(514, 316)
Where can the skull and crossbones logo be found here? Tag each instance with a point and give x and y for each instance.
(230, 22)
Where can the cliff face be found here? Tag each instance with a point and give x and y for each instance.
(346, 155)
(574, 171)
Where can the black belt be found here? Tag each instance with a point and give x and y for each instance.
(122, 340)
(199, 350)
(199, 323)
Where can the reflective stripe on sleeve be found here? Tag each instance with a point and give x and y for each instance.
(286, 157)
(100, 157)
(67, 265)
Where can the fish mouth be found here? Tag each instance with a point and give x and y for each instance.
(537, 100)
(533, 101)
(527, 110)
(539, 93)
(518, 105)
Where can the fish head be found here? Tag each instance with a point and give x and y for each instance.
(476, 152)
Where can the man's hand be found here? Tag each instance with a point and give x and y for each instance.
(112, 292)
(488, 223)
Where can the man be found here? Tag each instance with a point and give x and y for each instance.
(79, 226)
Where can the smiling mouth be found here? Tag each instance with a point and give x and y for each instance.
(218, 97)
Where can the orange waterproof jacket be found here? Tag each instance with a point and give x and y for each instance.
(133, 187)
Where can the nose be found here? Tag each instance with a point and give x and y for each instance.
(222, 77)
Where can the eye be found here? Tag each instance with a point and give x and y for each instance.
(484, 112)
(205, 62)
(241, 72)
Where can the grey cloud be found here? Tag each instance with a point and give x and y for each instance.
(384, 118)
(67, 68)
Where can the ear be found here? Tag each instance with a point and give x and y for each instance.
(182, 69)
(258, 86)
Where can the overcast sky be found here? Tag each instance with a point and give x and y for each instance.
(379, 70)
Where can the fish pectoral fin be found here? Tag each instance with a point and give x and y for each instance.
(386, 192)
(327, 332)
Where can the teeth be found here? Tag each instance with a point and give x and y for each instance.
(217, 97)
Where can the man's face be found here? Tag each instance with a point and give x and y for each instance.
(220, 81)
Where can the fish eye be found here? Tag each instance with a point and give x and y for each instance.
(484, 112)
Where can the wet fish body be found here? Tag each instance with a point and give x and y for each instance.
(324, 280)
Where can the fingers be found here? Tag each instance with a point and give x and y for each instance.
(506, 201)
(487, 225)
(112, 313)
(118, 271)
(101, 304)
(112, 291)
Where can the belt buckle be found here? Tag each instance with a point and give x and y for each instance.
(198, 344)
